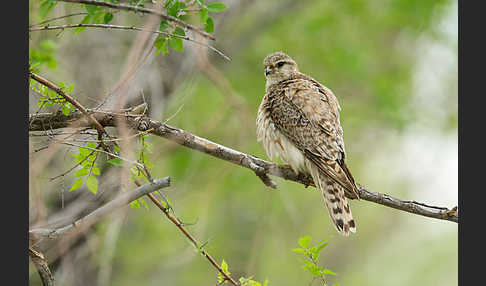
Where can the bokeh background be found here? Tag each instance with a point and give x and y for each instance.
(393, 66)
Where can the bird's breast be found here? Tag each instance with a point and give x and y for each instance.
(277, 144)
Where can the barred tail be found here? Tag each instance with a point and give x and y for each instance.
(336, 202)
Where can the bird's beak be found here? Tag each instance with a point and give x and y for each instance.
(268, 71)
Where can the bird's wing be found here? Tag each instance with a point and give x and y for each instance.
(310, 119)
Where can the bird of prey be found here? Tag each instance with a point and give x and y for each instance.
(298, 120)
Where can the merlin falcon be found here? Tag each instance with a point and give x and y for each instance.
(298, 121)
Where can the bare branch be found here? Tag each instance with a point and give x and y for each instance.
(261, 167)
(58, 18)
(99, 213)
(40, 263)
(143, 10)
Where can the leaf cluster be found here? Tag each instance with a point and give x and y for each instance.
(312, 254)
(181, 10)
(243, 281)
(43, 55)
(49, 97)
(174, 34)
(86, 158)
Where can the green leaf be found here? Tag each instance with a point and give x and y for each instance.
(176, 44)
(312, 268)
(224, 266)
(85, 20)
(70, 89)
(91, 9)
(164, 204)
(97, 17)
(328, 271)
(91, 158)
(70, 106)
(304, 241)
(52, 94)
(143, 203)
(65, 109)
(92, 184)
(84, 152)
(209, 25)
(204, 15)
(163, 26)
(81, 172)
(216, 7)
(179, 31)
(168, 3)
(161, 45)
(135, 204)
(107, 18)
(320, 247)
(115, 161)
(173, 11)
(95, 171)
(92, 145)
(77, 184)
(45, 7)
(299, 250)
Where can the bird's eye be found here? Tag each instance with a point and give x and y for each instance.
(280, 64)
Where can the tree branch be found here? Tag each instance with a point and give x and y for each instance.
(143, 10)
(99, 213)
(73, 101)
(261, 167)
(40, 263)
(179, 225)
(107, 26)
(58, 18)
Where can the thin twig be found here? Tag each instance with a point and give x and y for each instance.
(77, 164)
(107, 26)
(40, 149)
(143, 10)
(108, 153)
(180, 226)
(58, 18)
(109, 140)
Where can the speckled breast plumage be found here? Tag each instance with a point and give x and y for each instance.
(275, 143)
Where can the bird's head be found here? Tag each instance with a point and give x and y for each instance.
(279, 66)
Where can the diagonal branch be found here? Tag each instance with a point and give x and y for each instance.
(143, 10)
(40, 262)
(99, 213)
(174, 220)
(261, 167)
